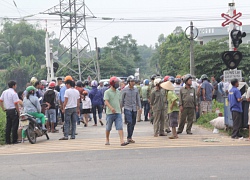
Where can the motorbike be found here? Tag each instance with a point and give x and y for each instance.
(32, 127)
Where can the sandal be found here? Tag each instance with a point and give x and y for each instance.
(124, 144)
(101, 123)
(131, 141)
(173, 137)
(63, 138)
(107, 143)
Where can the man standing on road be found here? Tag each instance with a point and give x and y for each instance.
(112, 101)
(61, 95)
(50, 97)
(146, 98)
(9, 103)
(235, 100)
(151, 88)
(130, 101)
(187, 105)
(70, 109)
(207, 95)
(138, 86)
(157, 101)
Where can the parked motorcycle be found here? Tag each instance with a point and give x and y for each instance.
(32, 127)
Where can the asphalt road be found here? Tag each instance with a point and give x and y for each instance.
(86, 157)
(163, 163)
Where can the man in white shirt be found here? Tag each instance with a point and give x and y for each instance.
(9, 103)
(70, 109)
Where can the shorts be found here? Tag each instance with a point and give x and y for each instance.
(206, 106)
(173, 119)
(85, 111)
(117, 118)
(51, 115)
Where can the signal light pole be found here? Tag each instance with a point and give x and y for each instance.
(233, 57)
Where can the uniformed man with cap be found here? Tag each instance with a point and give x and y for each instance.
(187, 105)
(158, 106)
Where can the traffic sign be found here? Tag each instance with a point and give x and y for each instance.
(232, 74)
(232, 19)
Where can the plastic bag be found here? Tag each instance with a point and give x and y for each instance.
(218, 123)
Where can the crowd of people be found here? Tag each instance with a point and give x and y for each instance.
(167, 102)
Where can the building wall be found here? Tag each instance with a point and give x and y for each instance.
(217, 33)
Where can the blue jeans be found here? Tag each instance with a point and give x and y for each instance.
(130, 117)
(146, 106)
(71, 117)
(99, 109)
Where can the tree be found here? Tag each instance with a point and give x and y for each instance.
(120, 57)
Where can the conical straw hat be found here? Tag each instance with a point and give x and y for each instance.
(167, 85)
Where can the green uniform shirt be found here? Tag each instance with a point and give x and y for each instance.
(171, 98)
(145, 92)
(187, 97)
(114, 99)
(139, 89)
(157, 100)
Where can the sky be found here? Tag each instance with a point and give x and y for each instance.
(174, 13)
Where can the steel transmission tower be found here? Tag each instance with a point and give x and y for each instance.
(74, 37)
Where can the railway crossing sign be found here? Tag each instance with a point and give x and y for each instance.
(232, 19)
(232, 74)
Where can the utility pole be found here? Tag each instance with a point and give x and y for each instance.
(97, 60)
(192, 49)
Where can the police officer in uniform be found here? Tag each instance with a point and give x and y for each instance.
(187, 105)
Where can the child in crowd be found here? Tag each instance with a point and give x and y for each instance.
(86, 107)
(173, 111)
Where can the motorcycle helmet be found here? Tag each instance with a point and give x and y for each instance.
(146, 82)
(113, 80)
(187, 77)
(30, 88)
(131, 78)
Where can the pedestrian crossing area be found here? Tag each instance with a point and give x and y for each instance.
(98, 144)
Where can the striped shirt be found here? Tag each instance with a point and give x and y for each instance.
(177, 89)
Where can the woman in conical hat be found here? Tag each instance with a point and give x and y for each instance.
(167, 85)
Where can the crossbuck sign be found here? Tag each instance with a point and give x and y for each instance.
(232, 19)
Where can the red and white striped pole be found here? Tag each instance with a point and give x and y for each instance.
(232, 12)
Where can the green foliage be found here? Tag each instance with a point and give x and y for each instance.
(21, 53)
(205, 119)
(2, 126)
(120, 57)
(172, 54)
(218, 105)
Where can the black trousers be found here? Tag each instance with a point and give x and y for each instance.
(236, 123)
(11, 126)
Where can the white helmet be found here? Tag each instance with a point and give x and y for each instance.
(157, 81)
(94, 83)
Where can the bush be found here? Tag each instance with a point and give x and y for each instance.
(2, 126)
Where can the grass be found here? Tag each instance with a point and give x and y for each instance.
(2, 126)
(205, 119)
